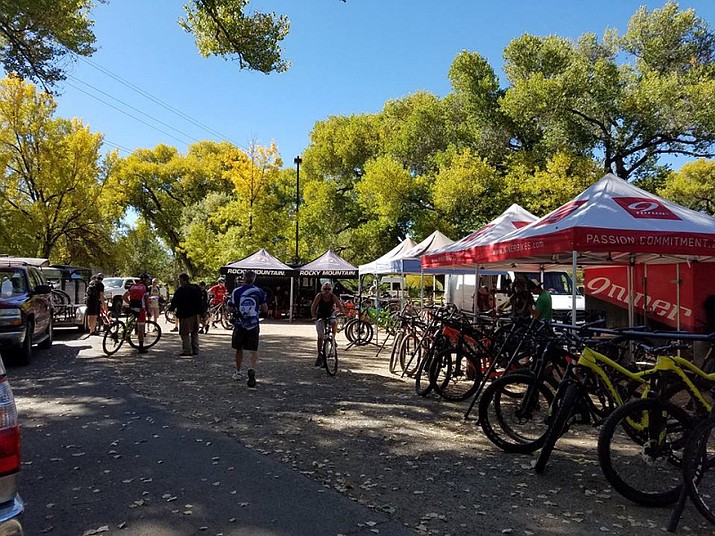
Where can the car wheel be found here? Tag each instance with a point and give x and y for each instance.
(47, 343)
(23, 355)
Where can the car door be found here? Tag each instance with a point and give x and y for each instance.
(41, 303)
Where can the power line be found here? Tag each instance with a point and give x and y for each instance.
(133, 108)
(125, 112)
(156, 100)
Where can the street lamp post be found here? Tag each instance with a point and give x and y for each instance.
(297, 160)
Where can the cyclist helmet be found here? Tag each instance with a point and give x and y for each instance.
(145, 277)
(221, 279)
(100, 276)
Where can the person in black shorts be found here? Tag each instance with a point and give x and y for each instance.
(95, 301)
(247, 302)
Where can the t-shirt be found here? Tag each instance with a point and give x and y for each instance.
(543, 307)
(93, 291)
(137, 296)
(218, 293)
(521, 303)
(247, 300)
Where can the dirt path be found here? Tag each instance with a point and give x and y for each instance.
(366, 434)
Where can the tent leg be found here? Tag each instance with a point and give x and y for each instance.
(574, 264)
(292, 305)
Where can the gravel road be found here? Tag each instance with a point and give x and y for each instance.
(366, 434)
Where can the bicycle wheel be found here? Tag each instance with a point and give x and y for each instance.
(453, 375)
(170, 316)
(512, 412)
(330, 356)
(699, 469)
(423, 385)
(152, 334)
(410, 354)
(561, 409)
(114, 337)
(640, 450)
(394, 354)
(225, 318)
(359, 332)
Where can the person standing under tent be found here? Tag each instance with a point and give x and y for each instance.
(543, 307)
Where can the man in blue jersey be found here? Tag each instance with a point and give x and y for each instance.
(247, 302)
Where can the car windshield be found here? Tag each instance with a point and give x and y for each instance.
(554, 282)
(113, 282)
(12, 282)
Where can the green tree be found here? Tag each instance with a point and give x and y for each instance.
(141, 250)
(693, 186)
(223, 28)
(580, 97)
(52, 192)
(36, 36)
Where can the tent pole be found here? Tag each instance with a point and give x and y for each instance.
(292, 305)
(677, 294)
(645, 295)
(422, 286)
(574, 263)
(630, 295)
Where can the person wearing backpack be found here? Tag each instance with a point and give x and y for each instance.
(137, 298)
(94, 300)
(521, 301)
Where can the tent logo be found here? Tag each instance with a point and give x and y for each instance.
(646, 208)
(560, 213)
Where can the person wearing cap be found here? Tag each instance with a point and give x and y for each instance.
(186, 301)
(543, 307)
(95, 301)
(247, 302)
(153, 300)
(322, 311)
(217, 295)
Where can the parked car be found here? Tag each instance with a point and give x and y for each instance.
(25, 310)
(114, 289)
(11, 504)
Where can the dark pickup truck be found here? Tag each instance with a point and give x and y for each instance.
(25, 311)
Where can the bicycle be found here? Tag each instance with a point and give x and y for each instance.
(698, 470)
(329, 350)
(120, 331)
(218, 313)
(641, 445)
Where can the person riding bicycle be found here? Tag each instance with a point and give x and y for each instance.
(217, 295)
(137, 298)
(322, 310)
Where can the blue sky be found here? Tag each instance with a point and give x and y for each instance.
(347, 58)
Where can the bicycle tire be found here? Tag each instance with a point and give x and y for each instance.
(510, 421)
(423, 384)
(330, 356)
(394, 353)
(60, 298)
(628, 433)
(699, 469)
(152, 334)
(225, 318)
(170, 316)
(410, 349)
(359, 332)
(562, 408)
(454, 377)
(114, 337)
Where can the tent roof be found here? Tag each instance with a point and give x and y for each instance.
(329, 264)
(612, 221)
(513, 218)
(382, 265)
(433, 242)
(261, 262)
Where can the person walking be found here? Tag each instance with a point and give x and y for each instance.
(187, 304)
(520, 301)
(247, 302)
(204, 316)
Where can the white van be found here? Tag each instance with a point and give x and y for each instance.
(394, 285)
(460, 290)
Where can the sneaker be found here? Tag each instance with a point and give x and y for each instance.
(237, 375)
(174, 330)
(206, 329)
(251, 378)
(201, 330)
(319, 360)
(185, 354)
(143, 350)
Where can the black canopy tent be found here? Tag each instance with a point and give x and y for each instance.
(264, 265)
(329, 264)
